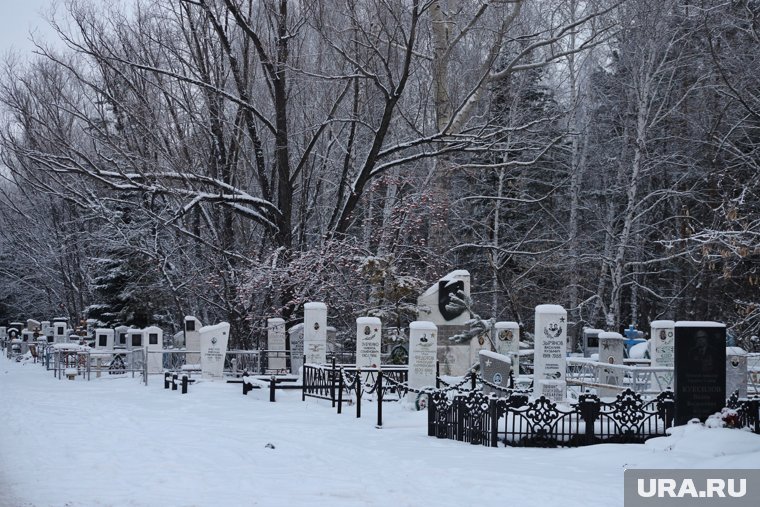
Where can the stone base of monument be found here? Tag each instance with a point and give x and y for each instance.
(553, 390)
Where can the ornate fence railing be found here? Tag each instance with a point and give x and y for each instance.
(516, 420)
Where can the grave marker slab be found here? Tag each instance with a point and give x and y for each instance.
(104, 339)
(214, 340)
(368, 338)
(495, 368)
(192, 340)
(550, 351)
(736, 371)
(315, 333)
(276, 343)
(700, 369)
(423, 351)
(507, 342)
(611, 352)
(296, 348)
(661, 347)
(153, 340)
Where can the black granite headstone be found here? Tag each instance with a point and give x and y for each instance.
(700, 370)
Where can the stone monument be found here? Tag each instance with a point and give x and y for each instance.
(213, 346)
(700, 370)
(120, 336)
(104, 338)
(423, 346)
(495, 368)
(153, 340)
(611, 352)
(276, 360)
(315, 333)
(736, 371)
(661, 348)
(507, 340)
(295, 334)
(192, 340)
(434, 305)
(368, 341)
(550, 351)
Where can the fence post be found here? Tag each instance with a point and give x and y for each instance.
(304, 378)
(272, 386)
(458, 406)
(473, 380)
(437, 374)
(379, 388)
(493, 414)
(590, 408)
(754, 409)
(332, 383)
(358, 392)
(340, 391)
(167, 376)
(184, 384)
(174, 381)
(431, 408)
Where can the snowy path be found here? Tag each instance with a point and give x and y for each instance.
(115, 442)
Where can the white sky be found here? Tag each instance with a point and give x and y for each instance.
(19, 18)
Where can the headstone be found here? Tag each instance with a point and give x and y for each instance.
(507, 342)
(494, 368)
(550, 350)
(153, 340)
(478, 343)
(315, 333)
(104, 338)
(3, 333)
(276, 359)
(214, 340)
(91, 323)
(700, 370)
(661, 348)
(423, 345)
(120, 336)
(33, 325)
(736, 371)
(296, 348)
(368, 338)
(591, 341)
(60, 331)
(611, 352)
(27, 336)
(135, 339)
(192, 340)
(178, 340)
(47, 330)
(434, 305)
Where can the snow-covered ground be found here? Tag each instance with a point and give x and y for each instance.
(116, 442)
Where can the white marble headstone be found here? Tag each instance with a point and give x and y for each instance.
(423, 352)
(121, 336)
(296, 348)
(192, 340)
(276, 359)
(368, 338)
(550, 351)
(611, 352)
(213, 345)
(507, 340)
(661, 349)
(153, 339)
(315, 333)
(736, 371)
(104, 338)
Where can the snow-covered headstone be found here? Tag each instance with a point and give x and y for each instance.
(121, 336)
(550, 351)
(296, 348)
(423, 345)
(192, 340)
(700, 370)
(315, 333)
(104, 338)
(507, 340)
(61, 326)
(47, 331)
(478, 343)
(661, 349)
(153, 340)
(33, 325)
(276, 359)
(495, 369)
(213, 345)
(736, 371)
(135, 339)
(611, 352)
(368, 335)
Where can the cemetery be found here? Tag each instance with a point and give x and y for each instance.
(489, 389)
